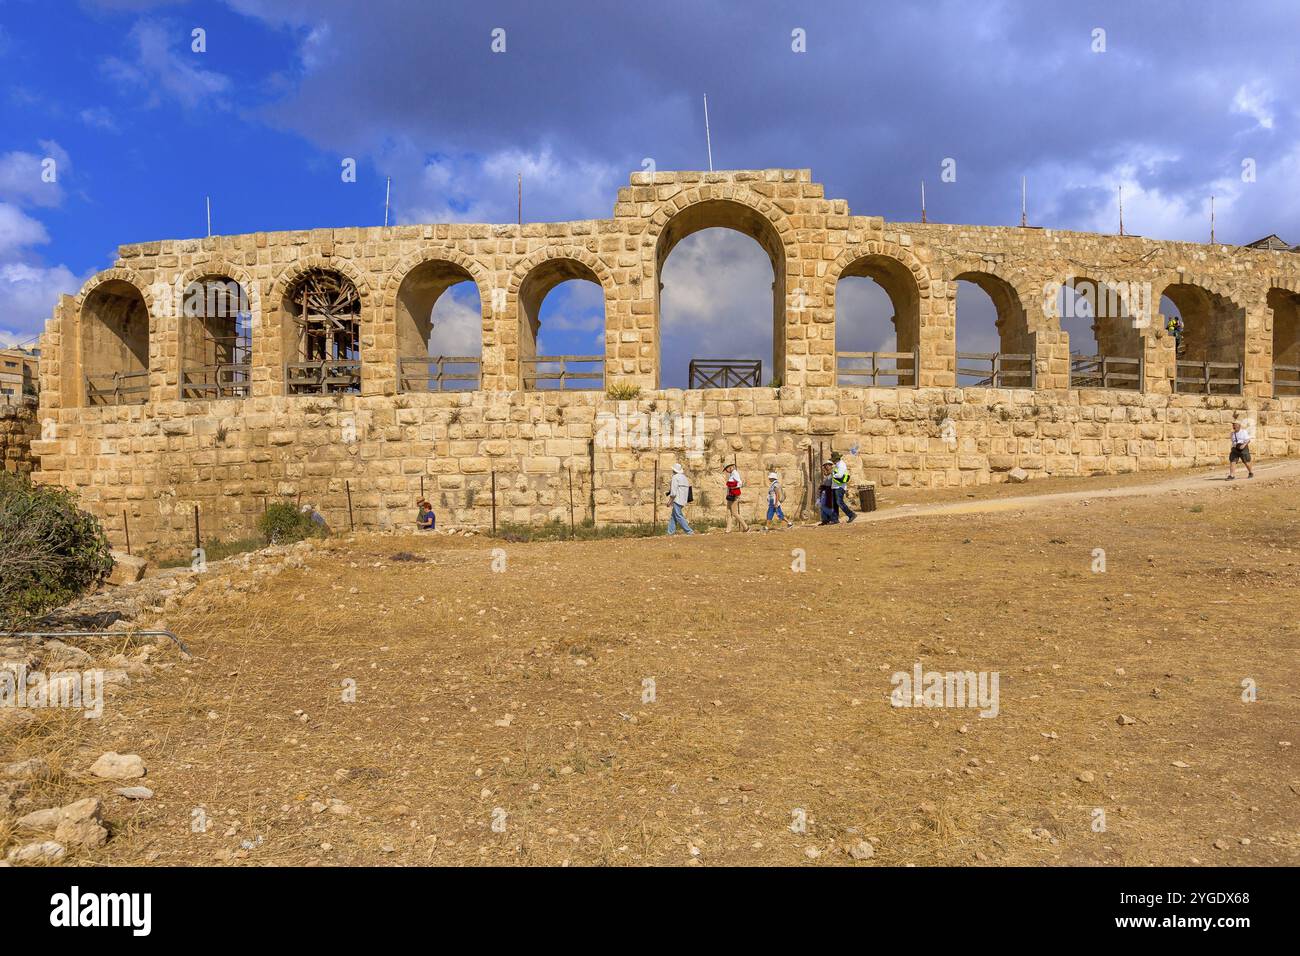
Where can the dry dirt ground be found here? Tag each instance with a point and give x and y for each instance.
(515, 695)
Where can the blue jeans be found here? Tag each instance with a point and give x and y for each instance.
(677, 519)
(842, 505)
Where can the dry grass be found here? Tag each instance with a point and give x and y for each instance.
(522, 690)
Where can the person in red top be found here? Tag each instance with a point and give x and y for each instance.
(733, 498)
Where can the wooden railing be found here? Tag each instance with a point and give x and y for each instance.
(1286, 380)
(120, 388)
(899, 366)
(435, 373)
(230, 380)
(322, 378)
(555, 368)
(725, 373)
(1209, 378)
(996, 370)
(1105, 371)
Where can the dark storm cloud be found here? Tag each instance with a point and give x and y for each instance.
(884, 93)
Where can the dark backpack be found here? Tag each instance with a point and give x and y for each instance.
(690, 494)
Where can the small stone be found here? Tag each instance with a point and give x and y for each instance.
(1086, 777)
(812, 852)
(116, 766)
(45, 852)
(1018, 475)
(1124, 720)
(1220, 844)
(135, 793)
(34, 768)
(862, 850)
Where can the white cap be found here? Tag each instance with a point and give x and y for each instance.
(773, 475)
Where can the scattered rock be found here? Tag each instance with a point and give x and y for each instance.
(1087, 777)
(1220, 844)
(80, 825)
(40, 819)
(862, 850)
(116, 766)
(135, 793)
(46, 851)
(1018, 475)
(127, 569)
(1124, 720)
(33, 768)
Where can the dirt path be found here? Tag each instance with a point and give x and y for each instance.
(727, 699)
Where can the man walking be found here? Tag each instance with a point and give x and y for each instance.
(734, 514)
(840, 483)
(679, 495)
(1240, 450)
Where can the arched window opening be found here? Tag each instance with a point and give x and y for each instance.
(995, 348)
(216, 343)
(322, 337)
(115, 345)
(877, 324)
(562, 336)
(1210, 343)
(720, 298)
(439, 329)
(1286, 341)
(1105, 344)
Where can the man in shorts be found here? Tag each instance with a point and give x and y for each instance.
(1240, 450)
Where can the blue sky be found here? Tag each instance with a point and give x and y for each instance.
(141, 127)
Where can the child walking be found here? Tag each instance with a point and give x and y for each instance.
(775, 495)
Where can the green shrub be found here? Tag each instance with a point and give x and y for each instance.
(282, 523)
(50, 550)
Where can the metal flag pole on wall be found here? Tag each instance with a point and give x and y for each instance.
(1024, 217)
(521, 198)
(708, 139)
(388, 192)
(1211, 220)
(922, 200)
(1121, 210)
(207, 200)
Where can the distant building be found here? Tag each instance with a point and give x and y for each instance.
(18, 376)
(1272, 243)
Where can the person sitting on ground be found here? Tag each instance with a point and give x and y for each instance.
(775, 495)
(840, 482)
(679, 495)
(426, 520)
(734, 484)
(826, 496)
(1240, 450)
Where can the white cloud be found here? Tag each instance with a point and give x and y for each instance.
(23, 175)
(457, 322)
(30, 292)
(99, 117)
(1254, 101)
(156, 68)
(19, 230)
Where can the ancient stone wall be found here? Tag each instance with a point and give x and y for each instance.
(157, 459)
(18, 429)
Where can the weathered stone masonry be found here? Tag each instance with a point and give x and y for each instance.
(157, 458)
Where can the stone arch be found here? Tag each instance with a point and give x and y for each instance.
(905, 280)
(1214, 331)
(1118, 323)
(725, 206)
(534, 277)
(214, 347)
(115, 313)
(1283, 300)
(321, 357)
(1015, 332)
(410, 293)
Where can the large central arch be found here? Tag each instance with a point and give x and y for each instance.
(747, 220)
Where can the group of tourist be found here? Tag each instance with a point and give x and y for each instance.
(830, 496)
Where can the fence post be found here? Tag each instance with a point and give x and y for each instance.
(916, 366)
(197, 542)
(347, 486)
(126, 526)
(573, 532)
(494, 503)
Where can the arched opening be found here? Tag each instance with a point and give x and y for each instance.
(572, 319)
(439, 329)
(322, 334)
(1211, 342)
(1102, 330)
(994, 345)
(712, 298)
(216, 344)
(877, 324)
(115, 345)
(1286, 341)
